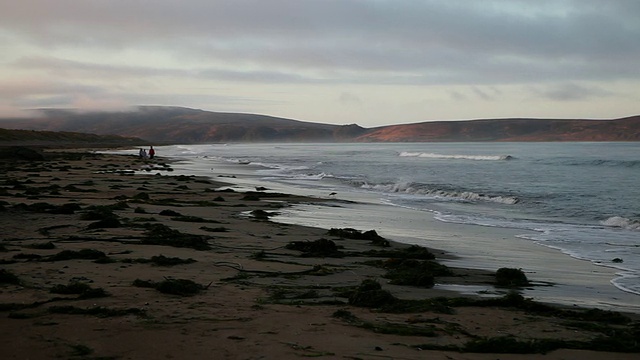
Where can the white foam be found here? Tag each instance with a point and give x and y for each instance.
(407, 188)
(456, 156)
(628, 282)
(622, 222)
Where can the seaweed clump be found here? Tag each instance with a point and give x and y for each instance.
(169, 212)
(509, 277)
(262, 214)
(370, 294)
(77, 288)
(98, 311)
(181, 287)
(386, 328)
(42, 207)
(349, 233)
(318, 248)
(159, 234)
(99, 213)
(84, 254)
(104, 215)
(414, 272)
(45, 246)
(105, 223)
(7, 277)
(161, 260)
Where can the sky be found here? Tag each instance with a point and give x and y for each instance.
(370, 62)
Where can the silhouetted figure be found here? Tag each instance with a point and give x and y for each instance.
(152, 152)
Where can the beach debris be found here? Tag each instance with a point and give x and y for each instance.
(160, 234)
(169, 212)
(251, 197)
(45, 246)
(262, 214)
(161, 260)
(99, 213)
(7, 277)
(181, 287)
(105, 215)
(216, 229)
(414, 272)
(28, 257)
(345, 315)
(317, 248)
(350, 233)
(79, 288)
(370, 294)
(42, 207)
(510, 277)
(80, 350)
(386, 327)
(84, 254)
(105, 223)
(98, 311)
(141, 196)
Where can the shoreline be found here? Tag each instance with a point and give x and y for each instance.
(248, 279)
(577, 282)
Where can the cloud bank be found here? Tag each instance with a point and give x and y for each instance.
(402, 60)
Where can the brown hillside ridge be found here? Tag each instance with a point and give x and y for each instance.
(62, 139)
(626, 129)
(118, 265)
(183, 125)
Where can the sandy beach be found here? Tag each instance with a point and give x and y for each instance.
(98, 262)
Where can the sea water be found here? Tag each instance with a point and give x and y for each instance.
(582, 199)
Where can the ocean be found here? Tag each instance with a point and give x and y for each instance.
(537, 206)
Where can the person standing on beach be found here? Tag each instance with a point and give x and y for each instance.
(152, 152)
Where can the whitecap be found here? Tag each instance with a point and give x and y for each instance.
(622, 222)
(455, 156)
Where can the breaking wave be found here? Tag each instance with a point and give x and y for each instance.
(622, 222)
(414, 189)
(455, 157)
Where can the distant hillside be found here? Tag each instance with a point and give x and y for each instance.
(45, 138)
(626, 129)
(184, 125)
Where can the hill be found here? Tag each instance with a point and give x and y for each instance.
(59, 138)
(183, 125)
(626, 129)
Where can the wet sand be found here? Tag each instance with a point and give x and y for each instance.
(574, 282)
(253, 297)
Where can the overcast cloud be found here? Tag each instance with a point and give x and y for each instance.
(370, 62)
